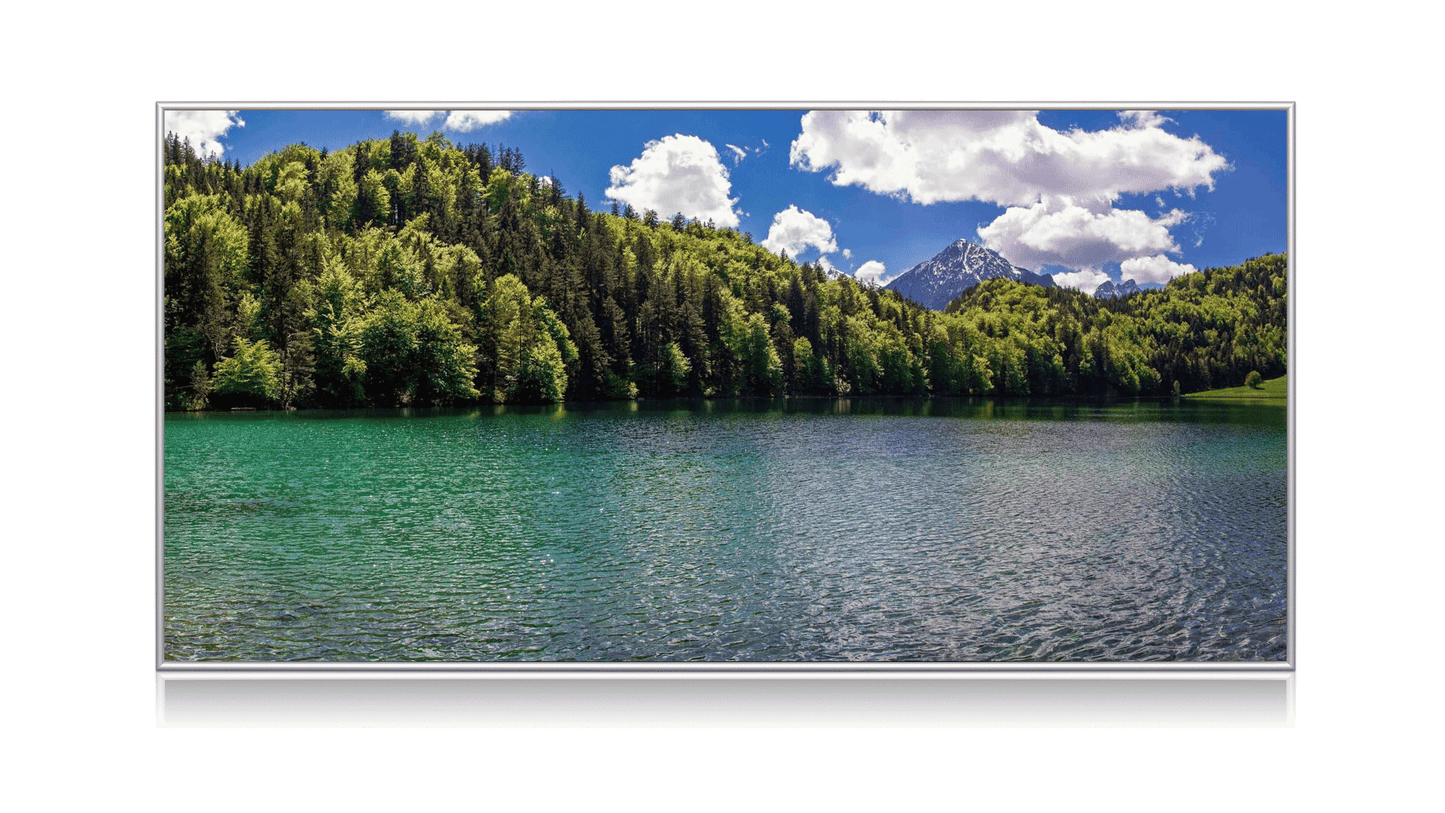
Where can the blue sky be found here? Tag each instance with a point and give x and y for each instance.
(1087, 195)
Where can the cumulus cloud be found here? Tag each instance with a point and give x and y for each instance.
(1058, 187)
(1000, 156)
(1158, 269)
(1060, 231)
(204, 128)
(465, 121)
(871, 273)
(462, 121)
(414, 117)
(1143, 118)
(847, 253)
(795, 229)
(738, 153)
(679, 173)
(1087, 280)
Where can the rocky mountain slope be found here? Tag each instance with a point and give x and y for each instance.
(1111, 289)
(935, 282)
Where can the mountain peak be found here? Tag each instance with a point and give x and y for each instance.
(1111, 289)
(935, 282)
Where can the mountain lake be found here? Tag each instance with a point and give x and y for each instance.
(797, 531)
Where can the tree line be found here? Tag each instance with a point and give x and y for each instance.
(409, 271)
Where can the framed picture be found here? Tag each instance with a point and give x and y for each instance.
(724, 388)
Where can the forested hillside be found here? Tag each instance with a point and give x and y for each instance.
(414, 271)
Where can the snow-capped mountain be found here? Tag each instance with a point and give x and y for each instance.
(934, 283)
(1111, 289)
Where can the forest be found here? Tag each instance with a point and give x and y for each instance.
(413, 271)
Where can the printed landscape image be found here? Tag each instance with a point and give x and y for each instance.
(725, 385)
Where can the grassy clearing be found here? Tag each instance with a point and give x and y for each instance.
(1272, 388)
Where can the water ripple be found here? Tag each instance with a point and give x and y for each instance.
(717, 534)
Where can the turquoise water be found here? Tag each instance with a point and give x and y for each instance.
(762, 531)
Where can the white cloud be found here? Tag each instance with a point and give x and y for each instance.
(465, 121)
(1158, 269)
(1143, 118)
(738, 153)
(1199, 223)
(847, 253)
(795, 229)
(1087, 280)
(871, 273)
(1059, 187)
(462, 121)
(1060, 231)
(204, 128)
(679, 173)
(1000, 156)
(414, 117)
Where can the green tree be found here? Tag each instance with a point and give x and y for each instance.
(338, 190)
(373, 200)
(541, 376)
(529, 345)
(206, 256)
(443, 361)
(412, 353)
(675, 369)
(810, 372)
(387, 347)
(250, 377)
(339, 372)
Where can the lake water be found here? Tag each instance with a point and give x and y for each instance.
(807, 530)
